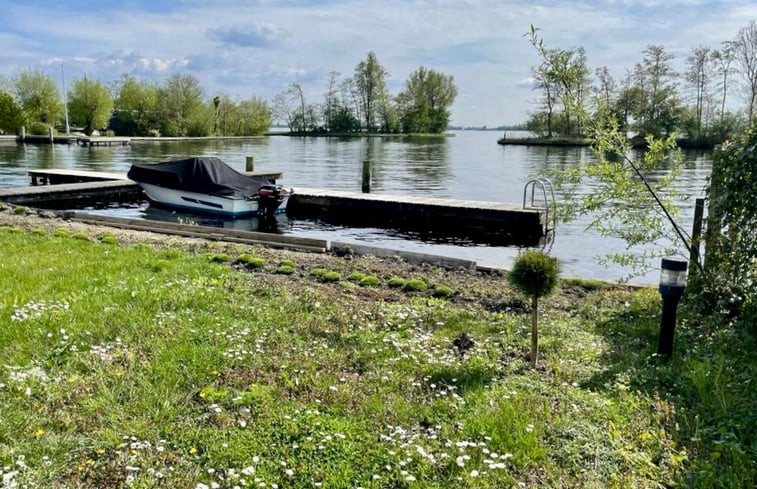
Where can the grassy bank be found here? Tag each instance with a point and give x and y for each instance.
(126, 364)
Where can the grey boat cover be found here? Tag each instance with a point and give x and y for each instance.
(203, 175)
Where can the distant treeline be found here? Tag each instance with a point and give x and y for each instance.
(178, 106)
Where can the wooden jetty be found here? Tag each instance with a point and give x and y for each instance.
(497, 222)
(102, 141)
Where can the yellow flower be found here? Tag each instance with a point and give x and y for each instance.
(39, 432)
(100, 451)
(193, 450)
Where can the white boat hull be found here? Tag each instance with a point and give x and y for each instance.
(227, 206)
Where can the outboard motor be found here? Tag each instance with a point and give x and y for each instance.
(270, 198)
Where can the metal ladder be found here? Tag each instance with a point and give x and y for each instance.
(547, 200)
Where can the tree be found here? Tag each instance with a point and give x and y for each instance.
(535, 275)
(136, 106)
(723, 59)
(254, 117)
(623, 202)
(180, 105)
(90, 104)
(331, 102)
(370, 83)
(607, 86)
(745, 46)
(697, 77)
(38, 97)
(657, 107)
(425, 102)
(11, 116)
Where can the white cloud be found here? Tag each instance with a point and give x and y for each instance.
(258, 48)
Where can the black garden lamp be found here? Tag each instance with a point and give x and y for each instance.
(672, 284)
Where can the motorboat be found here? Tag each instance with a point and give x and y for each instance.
(207, 184)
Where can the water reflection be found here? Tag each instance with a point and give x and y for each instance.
(469, 166)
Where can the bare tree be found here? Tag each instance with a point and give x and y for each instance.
(607, 85)
(746, 58)
(723, 59)
(697, 77)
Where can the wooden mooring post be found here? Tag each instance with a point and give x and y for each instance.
(249, 164)
(23, 133)
(696, 234)
(366, 176)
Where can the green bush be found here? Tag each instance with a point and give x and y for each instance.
(40, 232)
(250, 261)
(326, 275)
(286, 263)
(285, 270)
(442, 291)
(730, 281)
(11, 229)
(415, 285)
(369, 281)
(356, 276)
(39, 129)
(108, 238)
(535, 274)
(396, 282)
(81, 235)
(219, 257)
(19, 210)
(62, 233)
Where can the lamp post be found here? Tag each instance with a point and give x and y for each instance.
(672, 284)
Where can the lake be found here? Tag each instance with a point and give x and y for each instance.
(468, 165)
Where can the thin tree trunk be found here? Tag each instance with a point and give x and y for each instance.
(534, 331)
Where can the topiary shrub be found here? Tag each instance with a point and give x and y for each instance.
(81, 235)
(62, 233)
(286, 263)
(415, 285)
(219, 257)
(285, 270)
(535, 275)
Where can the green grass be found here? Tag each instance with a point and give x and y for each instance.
(123, 358)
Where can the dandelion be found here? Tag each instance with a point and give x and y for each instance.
(39, 432)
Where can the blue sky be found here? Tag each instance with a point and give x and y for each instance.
(257, 47)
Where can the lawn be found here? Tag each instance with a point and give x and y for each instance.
(129, 365)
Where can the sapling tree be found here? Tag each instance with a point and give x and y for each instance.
(630, 199)
(535, 275)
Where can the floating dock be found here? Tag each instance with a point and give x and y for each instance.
(495, 223)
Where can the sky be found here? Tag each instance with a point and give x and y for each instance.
(248, 48)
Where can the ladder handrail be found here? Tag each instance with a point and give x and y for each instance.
(546, 186)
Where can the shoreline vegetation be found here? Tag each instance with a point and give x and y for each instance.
(683, 143)
(131, 358)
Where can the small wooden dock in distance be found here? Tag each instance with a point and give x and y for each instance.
(102, 141)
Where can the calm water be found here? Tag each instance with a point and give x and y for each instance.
(469, 165)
